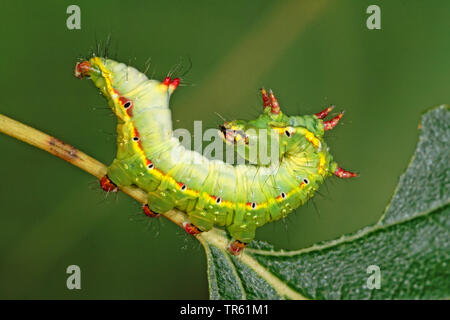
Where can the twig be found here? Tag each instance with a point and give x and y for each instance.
(74, 156)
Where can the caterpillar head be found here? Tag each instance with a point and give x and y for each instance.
(256, 144)
(233, 132)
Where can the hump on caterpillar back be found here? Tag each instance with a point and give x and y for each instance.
(130, 83)
(123, 78)
(310, 122)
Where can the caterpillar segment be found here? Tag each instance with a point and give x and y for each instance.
(240, 197)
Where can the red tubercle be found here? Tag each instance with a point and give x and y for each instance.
(344, 174)
(175, 83)
(322, 114)
(266, 98)
(167, 81)
(82, 69)
(275, 106)
(328, 125)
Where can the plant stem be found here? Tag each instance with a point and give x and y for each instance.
(74, 156)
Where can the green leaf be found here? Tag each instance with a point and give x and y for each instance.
(409, 244)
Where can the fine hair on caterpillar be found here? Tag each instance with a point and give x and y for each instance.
(284, 159)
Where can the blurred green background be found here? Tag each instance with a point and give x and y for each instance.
(311, 53)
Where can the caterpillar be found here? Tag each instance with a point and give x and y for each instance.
(239, 197)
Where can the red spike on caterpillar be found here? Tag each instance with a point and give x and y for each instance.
(328, 125)
(266, 99)
(167, 81)
(324, 113)
(175, 82)
(173, 85)
(275, 107)
(343, 174)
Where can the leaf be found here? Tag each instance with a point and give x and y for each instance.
(410, 243)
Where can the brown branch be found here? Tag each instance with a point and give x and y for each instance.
(74, 156)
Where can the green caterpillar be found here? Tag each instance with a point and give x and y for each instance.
(241, 197)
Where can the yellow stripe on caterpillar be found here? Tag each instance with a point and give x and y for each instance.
(322, 162)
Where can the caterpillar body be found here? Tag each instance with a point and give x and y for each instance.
(240, 197)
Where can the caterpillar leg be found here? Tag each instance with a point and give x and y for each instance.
(235, 247)
(107, 184)
(149, 213)
(199, 222)
(242, 233)
(191, 229)
(159, 201)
